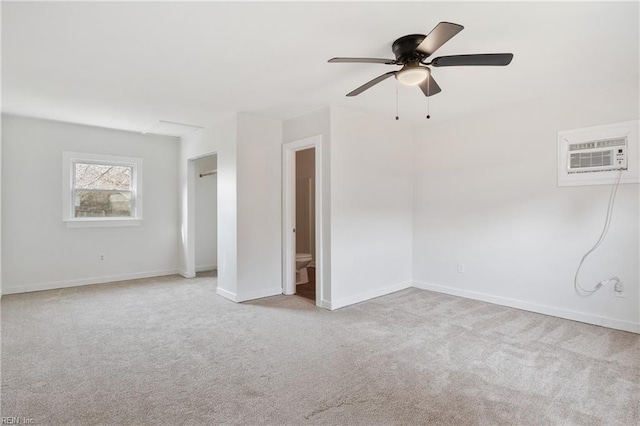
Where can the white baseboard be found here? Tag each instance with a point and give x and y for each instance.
(185, 274)
(227, 294)
(259, 294)
(27, 288)
(250, 295)
(325, 305)
(202, 268)
(532, 307)
(367, 295)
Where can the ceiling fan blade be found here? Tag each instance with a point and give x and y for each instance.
(495, 59)
(364, 60)
(429, 86)
(442, 33)
(371, 83)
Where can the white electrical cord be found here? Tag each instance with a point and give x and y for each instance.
(581, 291)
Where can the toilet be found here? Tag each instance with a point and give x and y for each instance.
(302, 261)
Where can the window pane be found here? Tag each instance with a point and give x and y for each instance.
(102, 176)
(96, 203)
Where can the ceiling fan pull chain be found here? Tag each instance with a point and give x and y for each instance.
(397, 117)
(428, 97)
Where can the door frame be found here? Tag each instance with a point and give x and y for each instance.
(289, 150)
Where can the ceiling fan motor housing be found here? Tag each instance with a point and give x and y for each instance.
(405, 51)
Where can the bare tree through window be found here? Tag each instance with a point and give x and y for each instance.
(102, 190)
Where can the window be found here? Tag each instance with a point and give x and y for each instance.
(101, 190)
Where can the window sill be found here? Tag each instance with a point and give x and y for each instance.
(101, 222)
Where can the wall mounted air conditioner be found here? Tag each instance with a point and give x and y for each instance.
(598, 156)
(595, 155)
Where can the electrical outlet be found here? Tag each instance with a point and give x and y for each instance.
(618, 290)
(102, 257)
(461, 268)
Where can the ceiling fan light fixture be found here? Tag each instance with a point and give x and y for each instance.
(412, 76)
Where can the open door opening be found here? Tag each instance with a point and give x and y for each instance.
(305, 224)
(302, 220)
(206, 223)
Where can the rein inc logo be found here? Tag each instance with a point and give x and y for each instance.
(17, 420)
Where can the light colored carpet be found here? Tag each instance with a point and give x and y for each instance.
(169, 351)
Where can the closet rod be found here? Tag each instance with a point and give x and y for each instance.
(212, 172)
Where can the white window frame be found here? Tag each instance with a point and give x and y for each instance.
(69, 159)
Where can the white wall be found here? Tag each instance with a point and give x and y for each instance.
(485, 195)
(1, 174)
(219, 139)
(371, 206)
(206, 222)
(249, 206)
(38, 249)
(367, 205)
(259, 169)
(1, 138)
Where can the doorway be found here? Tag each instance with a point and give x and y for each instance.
(205, 208)
(302, 220)
(305, 224)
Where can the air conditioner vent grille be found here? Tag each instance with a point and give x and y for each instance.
(591, 159)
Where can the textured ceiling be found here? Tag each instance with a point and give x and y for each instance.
(128, 65)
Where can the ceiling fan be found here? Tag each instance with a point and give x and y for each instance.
(412, 51)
